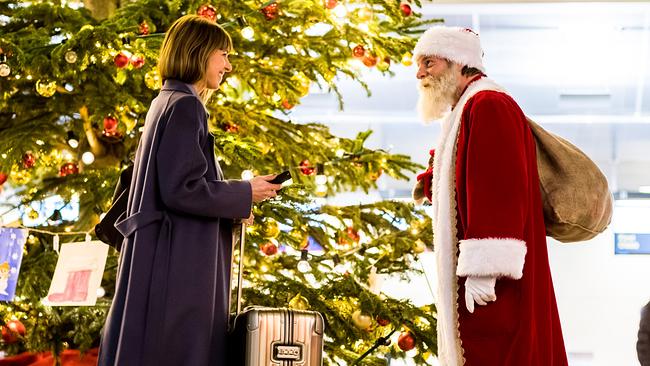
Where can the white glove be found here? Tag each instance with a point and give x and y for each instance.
(479, 289)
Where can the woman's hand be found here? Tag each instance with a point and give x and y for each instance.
(262, 189)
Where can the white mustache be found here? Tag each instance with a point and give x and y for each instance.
(436, 95)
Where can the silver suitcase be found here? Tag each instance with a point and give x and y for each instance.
(274, 336)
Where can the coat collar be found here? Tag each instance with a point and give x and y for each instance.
(173, 84)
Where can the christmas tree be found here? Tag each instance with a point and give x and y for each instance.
(76, 80)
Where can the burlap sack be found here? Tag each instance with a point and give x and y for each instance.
(575, 194)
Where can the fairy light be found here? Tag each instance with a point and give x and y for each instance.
(303, 265)
(247, 175)
(248, 33)
(88, 157)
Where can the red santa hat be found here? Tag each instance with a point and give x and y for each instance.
(459, 45)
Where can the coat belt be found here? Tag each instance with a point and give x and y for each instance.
(155, 317)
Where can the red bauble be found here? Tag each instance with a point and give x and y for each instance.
(358, 51)
(331, 4)
(121, 60)
(231, 127)
(286, 104)
(270, 11)
(29, 160)
(353, 234)
(383, 322)
(269, 248)
(3, 178)
(207, 11)
(306, 168)
(369, 60)
(68, 168)
(110, 124)
(406, 341)
(12, 330)
(144, 28)
(137, 61)
(406, 9)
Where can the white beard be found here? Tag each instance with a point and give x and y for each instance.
(437, 94)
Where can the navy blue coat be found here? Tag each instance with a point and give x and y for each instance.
(171, 300)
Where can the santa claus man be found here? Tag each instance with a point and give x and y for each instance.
(495, 303)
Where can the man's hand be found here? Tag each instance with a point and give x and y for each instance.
(479, 289)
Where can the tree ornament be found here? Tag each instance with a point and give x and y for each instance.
(286, 104)
(352, 234)
(299, 303)
(269, 248)
(358, 51)
(407, 59)
(306, 168)
(68, 168)
(361, 321)
(331, 4)
(32, 214)
(46, 88)
(369, 60)
(12, 331)
(29, 160)
(231, 127)
(382, 322)
(3, 178)
(377, 174)
(271, 228)
(406, 341)
(5, 70)
(300, 236)
(419, 247)
(152, 80)
(207, 11)
(144, 28)
(364, 14)
(270, 11)
(121, 60)
(70, 57)
(110, 125)
(137, 61)
(406, 9)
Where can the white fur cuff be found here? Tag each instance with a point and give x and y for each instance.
(492, 257)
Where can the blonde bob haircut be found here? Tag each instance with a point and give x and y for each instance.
(187, 47)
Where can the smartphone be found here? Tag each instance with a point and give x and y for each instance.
(281, 178)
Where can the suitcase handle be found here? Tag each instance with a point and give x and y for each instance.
(242, 240)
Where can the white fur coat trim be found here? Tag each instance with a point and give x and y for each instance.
(450, 350)
(492, 257)
(456, 44)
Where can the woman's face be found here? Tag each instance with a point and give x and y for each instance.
(218, 66)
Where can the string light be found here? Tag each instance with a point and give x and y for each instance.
(248, 33)
(247, 175)
(303, 265)
(73, 140)
(88, 158)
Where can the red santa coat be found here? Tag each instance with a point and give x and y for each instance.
(489, 221)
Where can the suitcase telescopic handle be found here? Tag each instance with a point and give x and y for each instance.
(240, 274)
(242, 240)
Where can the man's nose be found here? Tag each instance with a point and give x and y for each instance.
(421, 74)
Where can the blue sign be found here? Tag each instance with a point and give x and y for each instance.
(12, 241)
(627, 243)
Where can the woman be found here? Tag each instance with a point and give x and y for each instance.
(171, 300)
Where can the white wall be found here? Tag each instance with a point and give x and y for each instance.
(600, 294)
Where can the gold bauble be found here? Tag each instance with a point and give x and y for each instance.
(383, 66)
(407, 59)
(271, 228)
(300, 236)
(361, 320)
(20, 177)
(419, 247)
(46, 88)
(365, 14)
(32, 214)
(152, 80)
(299, 303)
